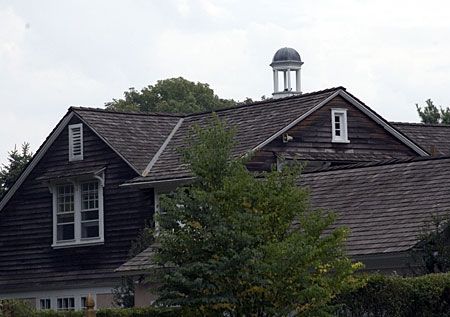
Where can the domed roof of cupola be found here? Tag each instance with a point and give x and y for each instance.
(286, 54)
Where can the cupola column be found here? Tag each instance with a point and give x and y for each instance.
(275, 80)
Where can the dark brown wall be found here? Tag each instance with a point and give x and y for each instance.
(312, 140)
(26, 257)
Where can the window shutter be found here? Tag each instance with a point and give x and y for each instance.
(75, 142)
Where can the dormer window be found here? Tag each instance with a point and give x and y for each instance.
(75, 142)
(339, 126)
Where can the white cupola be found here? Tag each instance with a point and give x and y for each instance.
(286, 60)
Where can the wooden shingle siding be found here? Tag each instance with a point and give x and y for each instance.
(312, 140)
(26, 256)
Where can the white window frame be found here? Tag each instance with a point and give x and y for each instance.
(342, 114)
(78, 240)
(73, 157)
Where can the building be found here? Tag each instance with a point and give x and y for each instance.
(68, 222)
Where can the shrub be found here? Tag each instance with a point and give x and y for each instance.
(395, 296)
(15, 308)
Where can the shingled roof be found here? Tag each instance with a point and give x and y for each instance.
(136, 136)
(435, 138)
(253, 124)
(386, 206)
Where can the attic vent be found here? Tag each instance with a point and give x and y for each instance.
(75, 142)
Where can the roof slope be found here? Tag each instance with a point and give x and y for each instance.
(136, 136)
(385, 205)
(253, 124)
(427, 136)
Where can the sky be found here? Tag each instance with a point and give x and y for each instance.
(55, 54)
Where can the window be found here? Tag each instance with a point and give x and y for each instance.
(65, 303)
(78, 213)
(83, 302)
(45, 303)
(339, 125)
(75, 142)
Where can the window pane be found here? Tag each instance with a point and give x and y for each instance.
(65, 218)
(89, 195)
(45, 303)
(65, 232)
(337, 119)
(66, 303)
(89, 230)
(337, 132)
(89, 215)
(65, 198)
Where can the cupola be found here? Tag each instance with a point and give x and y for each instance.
(286, 60)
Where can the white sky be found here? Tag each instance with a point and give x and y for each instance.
(53, 54)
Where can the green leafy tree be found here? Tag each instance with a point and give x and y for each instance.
(173, 95)
(433, 115)
(434, 248)
(240, 245)
(17, 161)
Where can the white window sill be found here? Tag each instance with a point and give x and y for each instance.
(340, 141)
(73, 244)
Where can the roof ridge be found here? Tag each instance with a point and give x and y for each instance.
(393, 161)
(269, 100)
(132, 112)
(185, 115)
(440, 125)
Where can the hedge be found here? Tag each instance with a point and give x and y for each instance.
(382, 296)
(21, 310)
(395, 296)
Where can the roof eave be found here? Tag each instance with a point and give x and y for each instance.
(37, 157)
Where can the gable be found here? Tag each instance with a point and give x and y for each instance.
(26, 226)
(312, 139)
(58, 133)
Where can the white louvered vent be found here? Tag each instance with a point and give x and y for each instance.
(75, 142)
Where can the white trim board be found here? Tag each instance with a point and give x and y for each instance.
(358, 105)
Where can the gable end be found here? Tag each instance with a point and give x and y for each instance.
(367, 111)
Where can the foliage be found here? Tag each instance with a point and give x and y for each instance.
(395, 296)
(17, 162)
(432, 115)
(123, 293)
(434, 247)
(231, 243)
(15, 308)
(110, 312)
(139, 312)
(52, 313)
(173, 95)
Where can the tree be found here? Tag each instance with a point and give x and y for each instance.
(434, 246)
(173, 95)
(231, 244)
(17, 162)
(432, 115)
